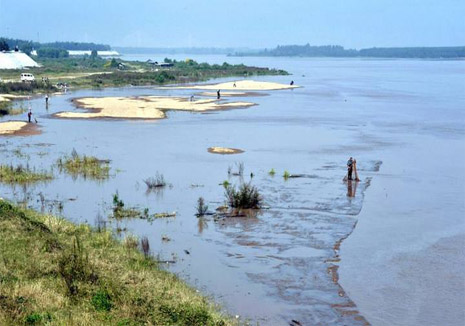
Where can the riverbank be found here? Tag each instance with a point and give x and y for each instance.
(98, 73)
(54, 272)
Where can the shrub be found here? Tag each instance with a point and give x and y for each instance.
(74, 267)
(247, 196)
(272, 172)
(145, 245)
(155, 182)
(286, 175)
(201, 207)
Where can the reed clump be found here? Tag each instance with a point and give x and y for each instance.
(85, 166)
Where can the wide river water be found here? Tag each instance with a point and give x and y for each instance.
(386, 251)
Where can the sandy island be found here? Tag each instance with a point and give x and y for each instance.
(224, 150)
(231, 94)
(143, 107)
(9, 97)
(241, 85)
(18, 128)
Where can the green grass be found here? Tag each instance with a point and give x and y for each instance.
(53, 272)
(22, 175)
(136, 74)
(85, 166)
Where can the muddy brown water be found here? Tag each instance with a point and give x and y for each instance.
(282, 264)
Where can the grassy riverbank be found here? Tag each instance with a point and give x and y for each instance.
(53, 272)
(87, 72)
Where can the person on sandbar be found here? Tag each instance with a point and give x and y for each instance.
(29, 115)
(350, 164)
(218, 95)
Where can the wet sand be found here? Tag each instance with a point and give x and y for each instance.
(18, 128)
(143, 107)
(241, 85)
(231, 94)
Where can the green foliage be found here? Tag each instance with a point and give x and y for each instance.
(286, 175)
(4, 45)
(21, 174)
(272, 172)
(308, 50)
(85, 166)
(52, 53)
(39, 252)
(247, 196)
(102, 300)
(74, 267)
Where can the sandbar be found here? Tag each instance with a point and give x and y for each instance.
(143, 107)
(9, 97)
(18, 128)
(224, 150)
(231, 94)
(241, 85)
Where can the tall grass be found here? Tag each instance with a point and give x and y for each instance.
(22, 174)
(85, 166)
(53, 272)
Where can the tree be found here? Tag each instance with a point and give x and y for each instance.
(93, 54)
(4, 46)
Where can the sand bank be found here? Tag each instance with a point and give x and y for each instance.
(231, 94)
(241, 85)
(224, 150)
(143, 107)
(18, 128)
(9, 97)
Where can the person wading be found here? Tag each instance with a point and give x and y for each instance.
(218, 95)
(29, 115)
(350, 165)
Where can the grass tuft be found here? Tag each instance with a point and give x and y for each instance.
(21, 174)
(85, 166)
(246, 196)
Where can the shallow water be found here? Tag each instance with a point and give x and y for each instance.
(278, 266)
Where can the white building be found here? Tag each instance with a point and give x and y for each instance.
(16, 60)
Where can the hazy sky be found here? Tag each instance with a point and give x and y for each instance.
(237, 23)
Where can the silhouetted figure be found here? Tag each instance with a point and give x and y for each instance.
(218, 95)
(292, 82)
(350, 164)
(29, 115)
(46, 99)
(192, 98)
(234, 85)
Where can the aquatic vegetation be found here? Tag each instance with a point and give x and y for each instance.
(21, 174)
(6, 108)
(155, 182)
(85, 166)
(120, 212)
(286, 175)
(48, 261)
(201, 207)
(246, 196)
(272, 172)
(225, 184)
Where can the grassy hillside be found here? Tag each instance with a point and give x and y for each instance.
(53, 272)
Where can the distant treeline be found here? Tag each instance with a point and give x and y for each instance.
(194, 50)
(339, 51)
(28, 46)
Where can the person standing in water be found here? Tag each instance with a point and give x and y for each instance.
(218, 95)
(350, 164)
(292, 82)
(29, 115)
(46, 99)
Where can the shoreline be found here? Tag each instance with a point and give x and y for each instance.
(18, 128)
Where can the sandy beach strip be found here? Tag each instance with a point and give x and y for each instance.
(241, 85)
(18, 128)
(143, 107)
(231, 94)
(224, 150)
(9, 97)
